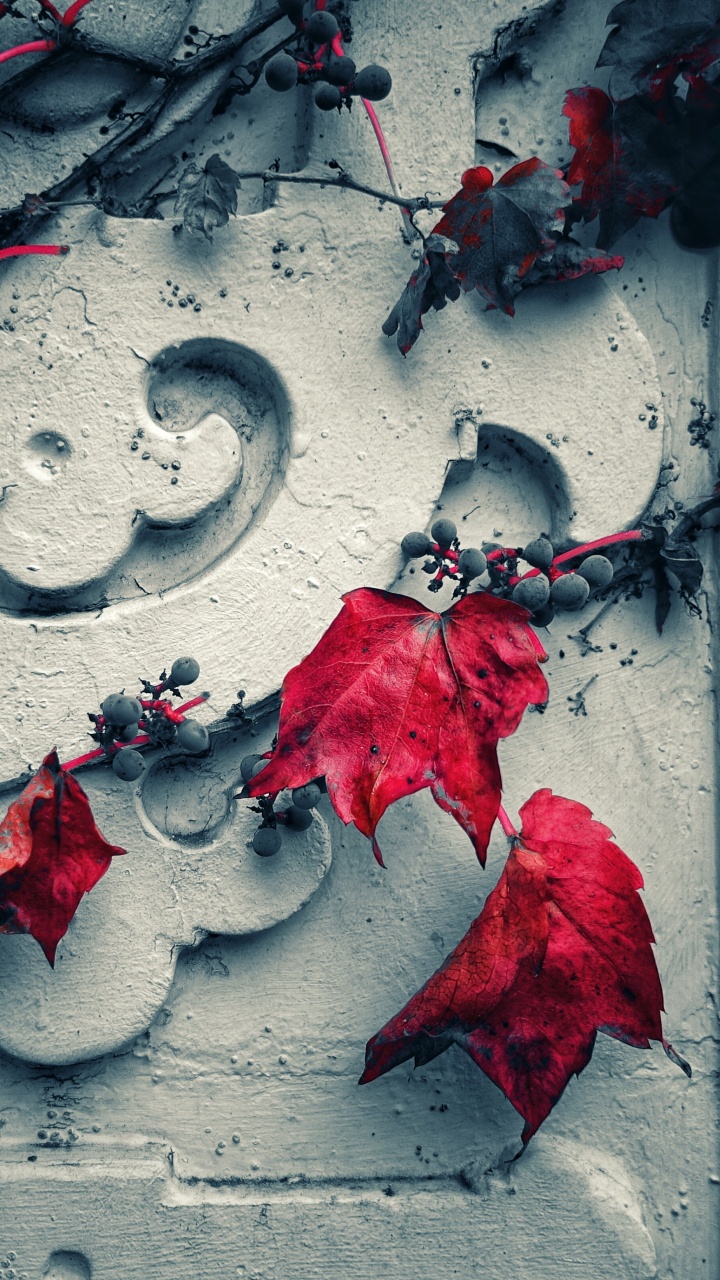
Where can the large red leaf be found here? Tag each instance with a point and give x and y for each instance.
(501, 230)
(624, 175)
(560, 951)
(51, 853)
(395, 698)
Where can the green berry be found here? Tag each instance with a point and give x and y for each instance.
(184, 671)
(444, 532)
(472, 563)
(128, 764)
(328, 97)
(321, 27)
(193, 737)
(250, 765)
(415, 545)
(281, 73)
(339, 71)
(120, 710)
(569, 592)
(306, 797)
(539, 553)
(267, 841)
(532, 593)
(298, 819)
(373, 83)
(597, 570)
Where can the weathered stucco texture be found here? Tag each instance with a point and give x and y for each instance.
(178, 1097)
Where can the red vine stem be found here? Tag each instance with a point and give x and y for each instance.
(18, 250)
(506, 824)
(72, 13)
(141, 740)
(630, 535)
(372, 117)
(34, 46)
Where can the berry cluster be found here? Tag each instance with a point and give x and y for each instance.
(320, 57)
(543, 589)
(446, 560)
(297, 816)
(150, 719)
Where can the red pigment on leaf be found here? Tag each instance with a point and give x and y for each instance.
(395, 698)
(560, 951)
(51, 853)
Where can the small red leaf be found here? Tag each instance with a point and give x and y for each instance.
(624, 176)
(51, 853)
(395, 698)
(560, 951)
(501, 230)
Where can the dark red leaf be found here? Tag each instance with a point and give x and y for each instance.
(624, 175)
(51, 853)
(431, 285)
(655, 41)
(501, 230)
(568, 261)
(560, 951)
(395, 698)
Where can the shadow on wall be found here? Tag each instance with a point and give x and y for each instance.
(191, 391)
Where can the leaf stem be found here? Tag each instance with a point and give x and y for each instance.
(507, 825)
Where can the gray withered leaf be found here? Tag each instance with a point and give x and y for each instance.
(206, 197)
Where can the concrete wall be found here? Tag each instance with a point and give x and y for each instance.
(178, 1097)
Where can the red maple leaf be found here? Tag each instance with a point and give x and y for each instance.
(560, 951)
(623, 172)
(395, 698)
(51, 853)
(501, 230)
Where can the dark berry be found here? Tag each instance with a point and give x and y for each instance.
(414, 545)
(339, 71)
(184, 671)
(128, 764)
(193, 737)
(569, 592)
(597, 570)
(121, 710)
(298, 819)
(306, 797)
(250, 765)
(539, 553)
(444, 532)
(373, 83)
(327, 97)
(532, 593)
(472, 563)
(281, 73)
(321, 27)
(267, 841)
